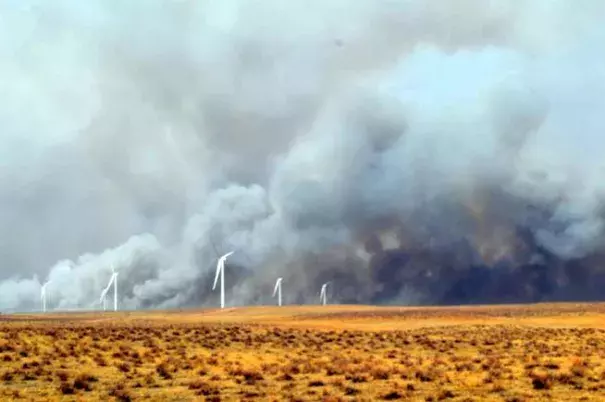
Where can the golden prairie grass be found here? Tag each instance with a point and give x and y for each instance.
(333, 353)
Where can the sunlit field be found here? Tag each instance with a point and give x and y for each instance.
(313, 353)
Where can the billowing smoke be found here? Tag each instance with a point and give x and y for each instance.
(406, 151)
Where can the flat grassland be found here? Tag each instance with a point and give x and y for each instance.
(314, 353)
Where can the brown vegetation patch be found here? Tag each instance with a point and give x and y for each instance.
(120, 358)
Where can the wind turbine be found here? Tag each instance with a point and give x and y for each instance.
(323, 297)
(278, 290)
(220, 270)
(112, 281)
(43, 295)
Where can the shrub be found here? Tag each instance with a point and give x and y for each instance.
(392, 396)
(66, 388)
(542, 382)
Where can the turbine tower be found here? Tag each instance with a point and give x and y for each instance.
(112, 281)
(220, 270)
(43, 295)
(278, 290)
(323, 297)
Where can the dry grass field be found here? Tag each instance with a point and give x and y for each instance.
(313, 353)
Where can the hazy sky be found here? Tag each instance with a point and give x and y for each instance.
(129, 131)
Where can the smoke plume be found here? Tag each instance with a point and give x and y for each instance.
(405, 151)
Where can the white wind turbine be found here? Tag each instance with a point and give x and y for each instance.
(278, 290)
(220, 270)
(323, 297)
(43, 295)
(112, 281)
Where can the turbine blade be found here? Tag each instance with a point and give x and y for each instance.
(113, 278)
(214, 247)
(275, 289)
(218, 270)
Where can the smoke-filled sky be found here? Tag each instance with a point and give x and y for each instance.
(407, 151)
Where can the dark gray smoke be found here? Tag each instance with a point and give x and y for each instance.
(406, 151)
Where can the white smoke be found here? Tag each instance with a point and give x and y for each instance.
(279, 128)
